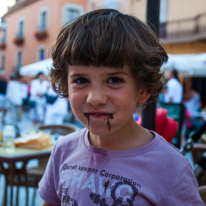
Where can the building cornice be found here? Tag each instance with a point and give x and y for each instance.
(19, 5)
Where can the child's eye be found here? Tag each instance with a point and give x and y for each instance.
(115, 80)
(81, 81)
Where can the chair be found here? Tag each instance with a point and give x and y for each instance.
(165, 126)
(30, 177)
(197, 152)
(175, 111)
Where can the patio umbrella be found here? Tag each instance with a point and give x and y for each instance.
(198, 65)
(33, 69)
(187, 64)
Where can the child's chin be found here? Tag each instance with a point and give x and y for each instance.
(100, 132)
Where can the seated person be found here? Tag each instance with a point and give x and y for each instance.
(192, 104)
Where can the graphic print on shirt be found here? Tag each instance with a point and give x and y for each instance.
(115, 195)
(106, 189)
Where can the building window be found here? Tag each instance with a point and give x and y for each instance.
(111, 4)
(3, 29)
(4, 37)
(21, 29)
(41, 54)
(19, 60)
(71, 12)
(43, 21)
(3, 58)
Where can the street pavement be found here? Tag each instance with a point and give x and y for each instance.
(23, 125)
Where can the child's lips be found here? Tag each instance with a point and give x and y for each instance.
(98, 114)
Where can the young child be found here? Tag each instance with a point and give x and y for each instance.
(107, 63)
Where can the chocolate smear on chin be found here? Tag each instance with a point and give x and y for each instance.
(87, 116)
(110, 116)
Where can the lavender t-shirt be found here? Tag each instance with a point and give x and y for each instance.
(79, 174)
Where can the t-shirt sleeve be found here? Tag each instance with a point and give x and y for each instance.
(47, 188)
(185, 190)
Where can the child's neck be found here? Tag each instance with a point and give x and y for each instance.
(123, 139)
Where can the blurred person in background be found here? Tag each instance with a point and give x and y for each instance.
(25, 94)
(161, 97)
(37, 91)
(174, 92)
(56, 108)
(3, 100)
(14, 96)
(192, 104)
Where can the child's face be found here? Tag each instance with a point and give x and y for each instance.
(103, 98)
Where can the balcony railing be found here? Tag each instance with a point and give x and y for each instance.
(192, 29)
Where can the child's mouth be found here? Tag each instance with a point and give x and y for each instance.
(100, 115)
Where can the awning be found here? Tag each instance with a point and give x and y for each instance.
(33, 69)
(187, 64)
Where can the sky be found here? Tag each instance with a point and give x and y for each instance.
(3, 6)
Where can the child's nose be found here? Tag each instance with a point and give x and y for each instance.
(96, 96)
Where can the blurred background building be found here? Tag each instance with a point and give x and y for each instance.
(183, 31)
(183, 26)
(135, 7)
(29, 29)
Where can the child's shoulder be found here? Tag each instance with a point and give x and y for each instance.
(167, 147)
(169, 154)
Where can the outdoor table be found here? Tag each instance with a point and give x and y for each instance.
(15, 155)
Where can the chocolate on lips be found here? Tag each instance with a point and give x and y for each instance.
(109, 116)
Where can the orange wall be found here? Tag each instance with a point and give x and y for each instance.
(183, 9)
(186, 48)
(30, 14)
(134, 7)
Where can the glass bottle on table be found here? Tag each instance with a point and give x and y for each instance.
(9, 134)
(1, 116)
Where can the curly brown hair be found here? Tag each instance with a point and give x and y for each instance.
(106, 37)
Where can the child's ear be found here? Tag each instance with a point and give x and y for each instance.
(143, 96)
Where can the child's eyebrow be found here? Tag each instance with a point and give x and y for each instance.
(77, 75)
(116, 73)
(109, 74)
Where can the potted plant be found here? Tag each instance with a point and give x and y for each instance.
(41, 35)
(19, 41)
(2, 46)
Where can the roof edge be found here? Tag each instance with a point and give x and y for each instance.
(18, 6)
